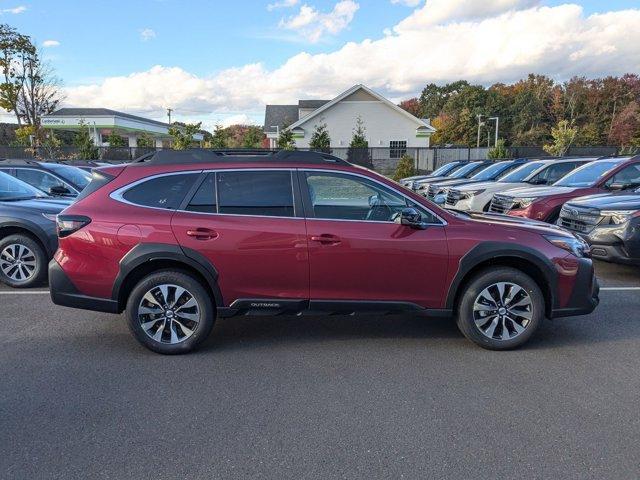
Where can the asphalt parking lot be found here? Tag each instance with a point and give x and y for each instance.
(336, 397)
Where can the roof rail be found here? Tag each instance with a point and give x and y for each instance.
(168, 157)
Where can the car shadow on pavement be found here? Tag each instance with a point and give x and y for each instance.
(251, 332)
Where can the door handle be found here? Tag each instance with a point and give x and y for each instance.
(326, 239)
(202, 233)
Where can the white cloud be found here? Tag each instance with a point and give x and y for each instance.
(559, 41)
(147, 34)
(50, 43)
(438, 12)
(282, 4)
(408, 3)
(313, 25)
(14, 10)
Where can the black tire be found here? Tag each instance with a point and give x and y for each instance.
(35, 277)
(205, 312)
(486, 278)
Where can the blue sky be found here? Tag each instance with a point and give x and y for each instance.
(92, 41)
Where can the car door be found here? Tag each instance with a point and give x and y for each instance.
(356, 250)
(250, 226)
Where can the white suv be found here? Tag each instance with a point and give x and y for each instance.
(476, 197)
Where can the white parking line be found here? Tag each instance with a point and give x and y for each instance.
(26, 292)
(619, 289)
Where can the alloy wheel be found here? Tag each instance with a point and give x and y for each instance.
(502, 311)
(18, 262)
(169, 314)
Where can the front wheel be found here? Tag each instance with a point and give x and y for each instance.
(170, 312)
(23, 261)
(500, 309)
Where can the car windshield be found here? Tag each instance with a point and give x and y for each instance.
(13, 189)
(492, 172)
(587, 175)
(520, 174)
(444, 169)
(75, 175)
(468, 168)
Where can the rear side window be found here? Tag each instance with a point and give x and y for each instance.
(204, 200)
(264, 193)
(161, 192)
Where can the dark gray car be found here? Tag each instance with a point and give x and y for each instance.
(609, 222)
(28, 236)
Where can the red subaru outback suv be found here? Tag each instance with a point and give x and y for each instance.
(544, 203)
(178, 239)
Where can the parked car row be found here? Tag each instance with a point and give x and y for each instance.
(597, 199)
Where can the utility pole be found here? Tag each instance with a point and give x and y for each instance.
(497, 119)
(169, 110)
(480, 124)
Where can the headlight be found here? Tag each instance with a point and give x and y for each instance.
(617, 217)
(575, 245)
(524, 202)
(50, 216)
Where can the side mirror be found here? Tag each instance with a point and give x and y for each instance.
(410, 217)
(617, 186)
(59, 190)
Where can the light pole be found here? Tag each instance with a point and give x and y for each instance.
(480, 124)
(169, 110)
(497, 119)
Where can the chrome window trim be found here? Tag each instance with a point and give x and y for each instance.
(117, 194)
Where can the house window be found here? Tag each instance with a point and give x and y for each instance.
(397, 148)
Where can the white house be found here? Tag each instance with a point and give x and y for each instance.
(387, 125)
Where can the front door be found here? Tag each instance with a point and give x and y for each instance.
(356, 250)
(247, 223)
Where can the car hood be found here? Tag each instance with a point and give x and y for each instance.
(515, 222)
(44, 205)
(457, 181)
(429, 180)
(608, 201)
(538, 192)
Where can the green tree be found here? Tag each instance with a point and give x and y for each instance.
(563, 136)
(320, 139)
(286, 140)
(145, 140)
(218, 139)
(358, 151)
(15, 48)
(50, 146)
(499, 151)
(406, 168)
(115, 139)
(182, 136)
(84, 143)
(252, 137)
(24, 136)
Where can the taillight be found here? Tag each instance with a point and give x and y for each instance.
(68, 224)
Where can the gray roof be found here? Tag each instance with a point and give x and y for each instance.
(312, 103)
(88, 112)
(280, 115)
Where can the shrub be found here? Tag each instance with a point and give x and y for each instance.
(405, 168)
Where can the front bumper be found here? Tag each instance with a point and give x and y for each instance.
(585, 295)
(618, 244)
(63, 292)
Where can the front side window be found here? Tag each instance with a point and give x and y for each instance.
(628, 177)
(554, 173)
(166, 191)
(521, 173)
(258, 193)
(337, 196)
(587, 175)
(75, 175)
(41, 180)
(14, 189)
(397, 148)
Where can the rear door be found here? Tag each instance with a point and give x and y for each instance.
(356, 250)
(249, 225)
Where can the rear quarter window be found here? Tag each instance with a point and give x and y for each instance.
(166, 191)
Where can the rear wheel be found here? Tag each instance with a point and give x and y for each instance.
(170, 312)
(23, 261)
(500, 309)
